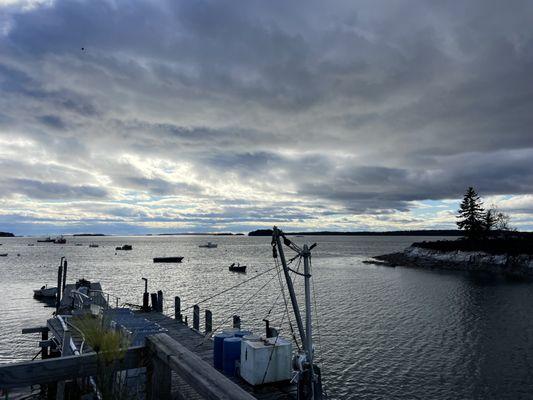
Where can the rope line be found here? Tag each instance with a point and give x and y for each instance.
(209, 334)
(228, 289)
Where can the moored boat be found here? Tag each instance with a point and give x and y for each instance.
(168, 259)
(237, 268)
(3, 255)
(45, 292)
(209, 245)
(124, 247)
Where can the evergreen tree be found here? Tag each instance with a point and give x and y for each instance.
(471, 214)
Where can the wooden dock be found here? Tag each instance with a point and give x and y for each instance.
(202, 346)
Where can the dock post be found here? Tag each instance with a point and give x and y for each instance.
(58, 295)
(196, 317)
(146, 301)
(153, 297)
(186, 322)
(44, 336)
(177, 309)
(160, 301)
(208, 321)
(64, 277)
(146, 296)
(236, 322)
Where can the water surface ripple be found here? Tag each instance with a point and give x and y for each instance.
(385, 333)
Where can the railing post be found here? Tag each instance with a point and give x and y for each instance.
(177, 309)
(158, 379)
(196, 317)
(236, 322)
(208, 321)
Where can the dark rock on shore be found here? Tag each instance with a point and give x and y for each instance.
(6, 234)
(516, 266)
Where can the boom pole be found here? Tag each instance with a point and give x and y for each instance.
(290, 286)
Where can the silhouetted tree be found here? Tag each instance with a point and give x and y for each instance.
(471, 214)
(489, 220)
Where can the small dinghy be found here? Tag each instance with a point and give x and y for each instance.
(168, 259)
(45, 292)
(209, 245)
(237, 268)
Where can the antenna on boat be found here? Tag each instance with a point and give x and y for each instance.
(309, 384)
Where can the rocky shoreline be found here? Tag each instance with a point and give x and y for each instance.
(519, 266)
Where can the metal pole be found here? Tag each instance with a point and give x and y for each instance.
(276, 233)
(308, 317)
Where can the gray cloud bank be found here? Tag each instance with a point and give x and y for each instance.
(322, 109)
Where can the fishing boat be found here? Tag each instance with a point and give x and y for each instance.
(168, 259)
(46, 240)
(237, 268)
(94, 245)
(209, 245)
(125, 247)
(45, 292)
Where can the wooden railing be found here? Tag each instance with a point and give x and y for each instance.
(160, 356)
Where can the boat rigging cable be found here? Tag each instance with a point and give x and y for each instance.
(228, 289)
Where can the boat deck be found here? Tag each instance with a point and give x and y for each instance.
(197, 343)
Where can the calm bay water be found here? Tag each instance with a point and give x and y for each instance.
(384, 333)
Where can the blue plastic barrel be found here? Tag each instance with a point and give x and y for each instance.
(231, 353)
(218, 348)
(242, 333)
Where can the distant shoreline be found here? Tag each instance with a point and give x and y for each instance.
(421, 232)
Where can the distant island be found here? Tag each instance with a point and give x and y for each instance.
(88, 234)
(200, 234)
(6, 234)
(420, 232)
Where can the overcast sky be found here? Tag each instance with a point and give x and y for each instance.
(166, 116)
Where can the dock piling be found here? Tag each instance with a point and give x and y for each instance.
(64, 277)
(146, 296)
(160, 301)
(236, 322)
(177, 309)
(58, 296)
(153, 297)
(208, 321)
(196, 317)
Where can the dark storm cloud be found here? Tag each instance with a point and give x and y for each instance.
(362, 106)
(49, 190)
